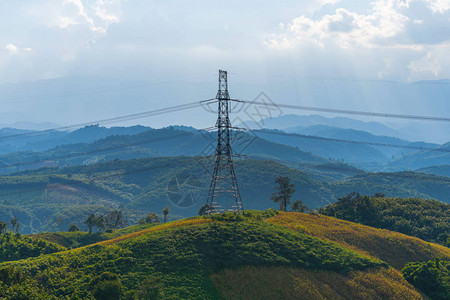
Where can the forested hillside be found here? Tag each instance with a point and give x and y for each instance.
(425, 219)
(50, 199)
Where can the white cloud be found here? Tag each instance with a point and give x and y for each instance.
(12, 49)
(74, 13)
(96, 15)
(108, 10)
(439, 6)
(400, 29)
(347, 28)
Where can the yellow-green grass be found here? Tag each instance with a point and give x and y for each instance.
(293, 283)
(82, 238)
(392, 247)
(175, 224)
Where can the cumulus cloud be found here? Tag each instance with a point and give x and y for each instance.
(96, 15)
(439, 6)
(347, 28)
(12, 49)
(415, 25)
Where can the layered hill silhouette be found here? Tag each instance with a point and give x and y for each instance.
(22, 149)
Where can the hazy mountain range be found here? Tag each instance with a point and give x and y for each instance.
(73, 100)
(316, 144)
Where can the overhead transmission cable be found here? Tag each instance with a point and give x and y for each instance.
(80, 154)
(196, 158)
(352, 112)
(99, 90)
(103, 177)
(297, 135)
(112, 120)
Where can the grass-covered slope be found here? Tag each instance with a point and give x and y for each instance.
(82, 238)
(392, 247)
(184, 260)
(300, 284)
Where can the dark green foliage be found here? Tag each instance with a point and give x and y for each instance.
(425, 219)
(107, 286)
(152, 218)
(11, 275)
(3, 227)
(204, 210)
(150, 289)
(298, 206)
(73, 227)
(15, 247)
(432, 278)
(95, 221)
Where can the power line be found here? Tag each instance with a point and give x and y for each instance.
(102, 90)
(123, 118)
(184, 134)
(297, 135)
(352, 112)
(177, 162)
(309, 77)
(79, 154)
(103, 177)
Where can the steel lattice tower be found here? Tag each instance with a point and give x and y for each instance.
(224, 191)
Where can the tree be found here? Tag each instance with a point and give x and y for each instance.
(284, 192)
(15, 224)
(90, 222)
(115, 219)
(152, 218)
(298, 206)
(166, 211)
(3, 226)
(379, 195)
(73, 227)
(100, 222)
(107, 286)
(204, 210)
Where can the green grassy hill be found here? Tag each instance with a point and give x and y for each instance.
(260, 255)
(50, 199)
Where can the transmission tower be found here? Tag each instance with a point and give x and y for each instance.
(224, 193)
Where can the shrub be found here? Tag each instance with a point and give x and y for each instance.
(107, 286)
(432, 278)
(73, 227)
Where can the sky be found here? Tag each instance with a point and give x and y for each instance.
(382, 40)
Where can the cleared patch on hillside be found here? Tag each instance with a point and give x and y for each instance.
(292, 283)
(392, 247)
